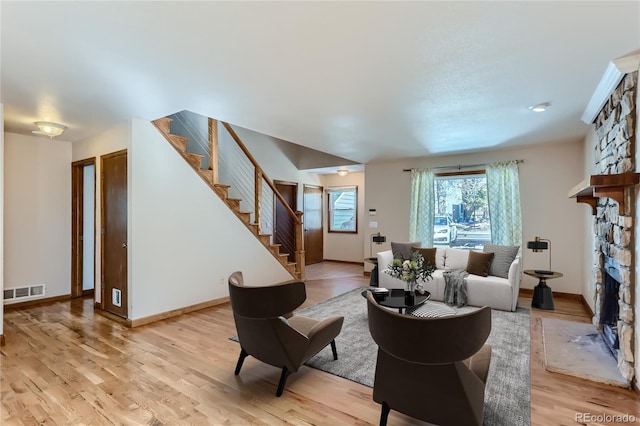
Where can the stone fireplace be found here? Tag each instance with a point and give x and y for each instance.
(614, 225)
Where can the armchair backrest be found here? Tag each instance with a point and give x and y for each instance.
(420, 340)
(266, 301)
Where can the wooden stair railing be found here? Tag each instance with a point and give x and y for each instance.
(210, 176)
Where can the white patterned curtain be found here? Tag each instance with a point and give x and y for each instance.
(422, 207)
(503, 186)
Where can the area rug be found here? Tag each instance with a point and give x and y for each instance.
(578, 349)
(507, 395)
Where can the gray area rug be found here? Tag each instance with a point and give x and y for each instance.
(507, 395)
(578, 349)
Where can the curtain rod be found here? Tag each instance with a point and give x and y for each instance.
(459, 167)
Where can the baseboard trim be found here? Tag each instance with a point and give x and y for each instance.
(176, 312)
(344, 261)
(98, 310)
(34, 302)
(586, 305)
(528, 292)
(2, 342)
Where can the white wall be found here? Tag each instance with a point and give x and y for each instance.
(1, 215)
(546, 176)
(113, 140)
(274, 162)
(37, 213)
(184, 241)
(588, 252)
(339, 246)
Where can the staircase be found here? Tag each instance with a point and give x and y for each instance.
(210, 175)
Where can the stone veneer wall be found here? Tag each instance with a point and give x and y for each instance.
(615, 153)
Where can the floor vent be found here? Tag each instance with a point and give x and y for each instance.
(19, 293)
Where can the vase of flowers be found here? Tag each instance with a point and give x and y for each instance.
(413, 271)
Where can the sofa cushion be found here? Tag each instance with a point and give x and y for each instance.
(403, 250)
(440, 252)
(479, 263)
(456, 258)
(502, 260)
(428, 254)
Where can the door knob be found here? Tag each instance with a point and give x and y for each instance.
(124, 245)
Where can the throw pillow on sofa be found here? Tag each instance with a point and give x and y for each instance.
(502, 259)
(428, 254)
(479, 263)
(456, 259)
(403, 250)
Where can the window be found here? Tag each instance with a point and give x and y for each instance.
(343, 209)
(461, 210)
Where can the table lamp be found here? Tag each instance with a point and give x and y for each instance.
(538, 245)
(378, 239)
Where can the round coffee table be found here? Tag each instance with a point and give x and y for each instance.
(398, 299)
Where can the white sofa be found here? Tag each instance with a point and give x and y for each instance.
(495, 292)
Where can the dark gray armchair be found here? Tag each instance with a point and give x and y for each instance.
(433, 369)
(268, 331)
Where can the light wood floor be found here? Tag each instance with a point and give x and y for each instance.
(64, 365)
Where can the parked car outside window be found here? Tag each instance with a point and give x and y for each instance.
(444, 230)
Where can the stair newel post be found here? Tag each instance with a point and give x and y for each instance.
(258, 194)
(213, 149)
(299, 246)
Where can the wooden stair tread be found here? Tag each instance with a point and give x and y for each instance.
(193, 155)
(163, 124)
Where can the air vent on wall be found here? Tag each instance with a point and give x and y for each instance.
(20, 293)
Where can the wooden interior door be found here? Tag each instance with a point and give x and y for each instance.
(284, 232)
(313, 230)
(114, 233)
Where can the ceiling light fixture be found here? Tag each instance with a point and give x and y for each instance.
(540, 107)
(49, 129)
(343, 172)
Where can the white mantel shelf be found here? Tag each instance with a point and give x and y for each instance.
(589, 190)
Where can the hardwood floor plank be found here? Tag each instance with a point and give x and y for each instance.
(63, 364)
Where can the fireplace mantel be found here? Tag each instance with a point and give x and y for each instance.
(589, 190)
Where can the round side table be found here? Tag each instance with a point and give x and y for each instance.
(542, 294)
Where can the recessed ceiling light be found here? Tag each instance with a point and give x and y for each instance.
(540, 107)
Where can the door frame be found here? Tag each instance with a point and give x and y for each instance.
(77, 225)
(102, 286)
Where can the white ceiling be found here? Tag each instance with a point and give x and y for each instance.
(362, 80)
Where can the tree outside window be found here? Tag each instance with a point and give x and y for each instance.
(343, 209)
